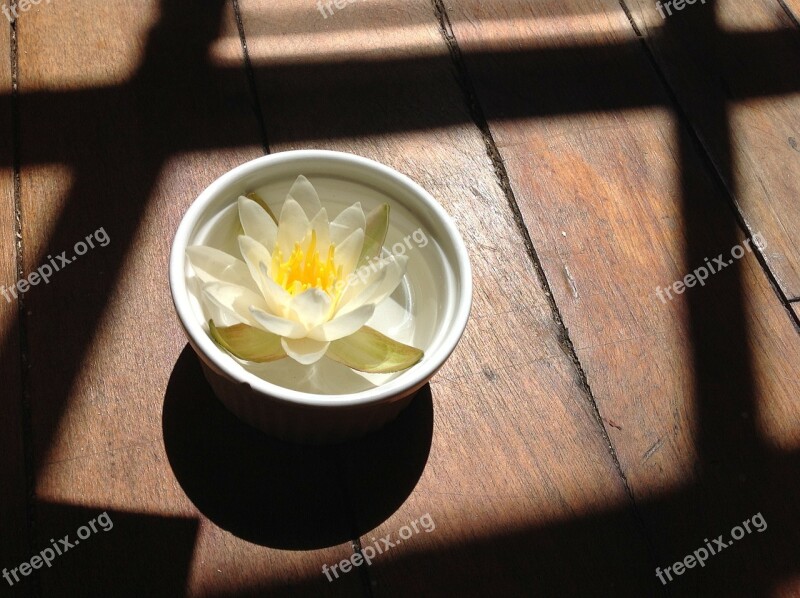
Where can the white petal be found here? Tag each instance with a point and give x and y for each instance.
(293, 227)
(350, 220)
(213, 265)
(279, 326)
(257, 223)
(363, 283)
(394, 274)
(347, 253)
(304, 193)
(222, 316)
(304, 350)
(277, 295)
(344, 325)
(353, 299)
(234, 300)
(254, 254)
(392, 270)
(321, 226)
(311, 307)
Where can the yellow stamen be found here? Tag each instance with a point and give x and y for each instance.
(306, 269)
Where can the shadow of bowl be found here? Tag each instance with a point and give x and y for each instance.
(282, 495)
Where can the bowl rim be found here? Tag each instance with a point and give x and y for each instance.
(200, 340)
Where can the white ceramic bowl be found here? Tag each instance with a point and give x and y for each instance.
(431, 305)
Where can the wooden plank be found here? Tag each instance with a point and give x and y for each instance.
(705, 70)
(516, 454)
(793, 8)
(125, 120)
(14, 547)
(796, 308)
(698, 393)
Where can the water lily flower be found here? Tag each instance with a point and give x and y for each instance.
(304, 286)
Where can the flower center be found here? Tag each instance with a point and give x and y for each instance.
(304, 270)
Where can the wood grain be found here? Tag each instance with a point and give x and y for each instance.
(793, 8)
(694, 391)
(125, 119)
(518, 466)
(14, 547)
(760, 163)
(796, 308)
(129, 109)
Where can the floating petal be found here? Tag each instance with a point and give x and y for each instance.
(248, 343)
(370, 351)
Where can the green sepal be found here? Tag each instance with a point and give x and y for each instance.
(367, 350)
(374, 233)
(248, 343)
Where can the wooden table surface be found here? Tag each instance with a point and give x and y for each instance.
(584, 432)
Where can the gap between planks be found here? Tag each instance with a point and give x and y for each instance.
(479, 119)
(251, 78)
(789, 13)
(686, 123)
(26, 422)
